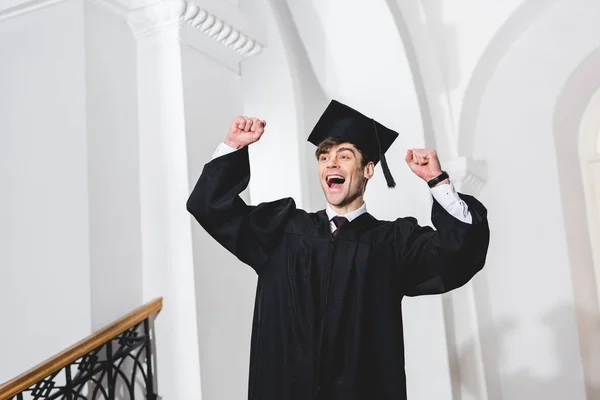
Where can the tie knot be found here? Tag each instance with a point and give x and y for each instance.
(339, 221)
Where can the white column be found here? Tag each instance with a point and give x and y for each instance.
(167, 262)
(217, 37)
(136, 115)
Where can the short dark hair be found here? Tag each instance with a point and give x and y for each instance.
(330, 142)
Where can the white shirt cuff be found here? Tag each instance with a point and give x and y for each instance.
(222, 149)
(446, 195)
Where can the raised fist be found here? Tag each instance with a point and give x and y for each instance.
(244, 131)
(424, 163)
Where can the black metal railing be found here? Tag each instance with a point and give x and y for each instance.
(117, 365)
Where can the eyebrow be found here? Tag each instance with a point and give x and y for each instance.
(338, 151)
(345, 148)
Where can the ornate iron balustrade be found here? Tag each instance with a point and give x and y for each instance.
(115, 363)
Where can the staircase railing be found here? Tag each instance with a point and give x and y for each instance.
(115, 362)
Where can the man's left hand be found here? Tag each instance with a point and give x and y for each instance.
(424, 163)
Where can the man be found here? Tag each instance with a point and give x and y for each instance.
(328, 319)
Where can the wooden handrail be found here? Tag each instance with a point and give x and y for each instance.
(78, 350)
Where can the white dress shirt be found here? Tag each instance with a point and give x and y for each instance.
(444, 194)
(350, 216)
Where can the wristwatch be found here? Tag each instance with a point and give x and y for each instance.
(438, 179)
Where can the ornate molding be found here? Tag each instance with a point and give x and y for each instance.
(220, 31)
(467, 175)
(146, 19)
(10, 9)
(211, 22)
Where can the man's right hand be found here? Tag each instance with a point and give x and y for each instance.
(244, 131)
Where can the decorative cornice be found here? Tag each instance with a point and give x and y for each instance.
(220, 31)
(212, 26)
(146, 18)
(13, 9)
(467, 175)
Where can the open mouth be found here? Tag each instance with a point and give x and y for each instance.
(335, 181)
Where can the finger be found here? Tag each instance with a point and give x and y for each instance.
(259, 128)
(240, 122)
(409, 156)
(418, 156)
(248, 125)
(255, 124)
(415, 158)
(260, 124)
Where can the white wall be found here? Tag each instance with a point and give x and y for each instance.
(521, 18)
(113, 160)
(532, 337)
(280, 87)
(224, 286)
(44, 258)
(456, 47)
(461, 32)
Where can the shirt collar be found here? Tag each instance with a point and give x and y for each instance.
(350, 216)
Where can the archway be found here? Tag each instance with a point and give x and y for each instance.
(576, 127)
(540, 281)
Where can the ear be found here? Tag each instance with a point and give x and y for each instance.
(369, 170)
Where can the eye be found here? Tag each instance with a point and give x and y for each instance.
(323, 158)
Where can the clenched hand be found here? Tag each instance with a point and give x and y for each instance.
(244, 131)
(424, 163)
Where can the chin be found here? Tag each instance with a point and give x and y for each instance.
(336, 200)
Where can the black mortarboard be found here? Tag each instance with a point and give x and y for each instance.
(368, 135)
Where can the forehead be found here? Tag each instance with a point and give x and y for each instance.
(342, 147)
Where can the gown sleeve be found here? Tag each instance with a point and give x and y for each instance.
(251, 233)
(438, 261)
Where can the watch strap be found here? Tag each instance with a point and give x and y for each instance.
(438, 179)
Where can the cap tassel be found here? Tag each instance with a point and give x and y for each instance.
(386, 172)
(384, 165)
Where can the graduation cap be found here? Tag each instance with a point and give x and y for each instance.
(368, 135)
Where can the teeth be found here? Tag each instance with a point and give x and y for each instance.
(334, 176)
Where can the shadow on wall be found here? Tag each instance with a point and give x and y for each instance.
(522, 19)
(526, 384)
(445, 37)
(308, 95)
(430, 44)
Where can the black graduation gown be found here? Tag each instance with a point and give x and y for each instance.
(328, 321)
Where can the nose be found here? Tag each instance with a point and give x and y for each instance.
(332, 163)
